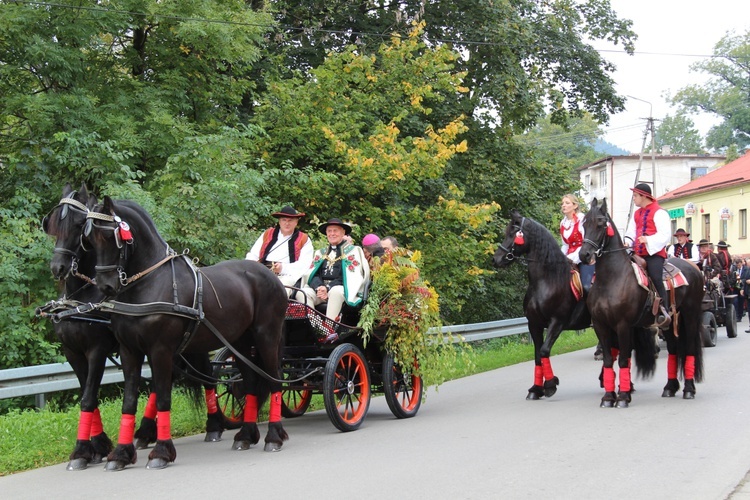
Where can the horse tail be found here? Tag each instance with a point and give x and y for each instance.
(644, 344)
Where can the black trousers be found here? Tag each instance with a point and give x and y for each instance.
(655, 267)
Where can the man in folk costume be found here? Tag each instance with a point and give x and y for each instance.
(725, 261)
(684, 249)
(648, 234)
(338, 273)
(708, 261)
(286, 250)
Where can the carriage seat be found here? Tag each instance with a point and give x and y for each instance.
(349, 314)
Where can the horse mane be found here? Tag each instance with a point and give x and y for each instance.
(545, 253)
(122, 209)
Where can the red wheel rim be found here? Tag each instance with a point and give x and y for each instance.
(352, 388)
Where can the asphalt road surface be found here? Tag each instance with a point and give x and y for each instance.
(474, 438)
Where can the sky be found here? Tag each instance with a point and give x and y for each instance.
(672, 35)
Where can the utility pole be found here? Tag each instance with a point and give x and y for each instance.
(649, 130)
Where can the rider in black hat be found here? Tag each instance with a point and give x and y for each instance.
(649, 233)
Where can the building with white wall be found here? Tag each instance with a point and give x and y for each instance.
(612, 177)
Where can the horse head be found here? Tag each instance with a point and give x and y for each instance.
(599, 231)
(514, 244)
(65, 222)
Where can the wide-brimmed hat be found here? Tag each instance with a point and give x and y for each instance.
(288, 211)
(704, 242)
(335, 222)
(722, 244)
(643, 190)
(681, 232)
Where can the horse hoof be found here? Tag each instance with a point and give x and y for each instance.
(667, 393)
(78, 464)
(213, 437)
(114, 466)
(607, 404)
(622, 404)
(157, 463)
(688, 395)
(241, 445)
(272, 447)
(141, 443)
(550, 392)
(532, 396)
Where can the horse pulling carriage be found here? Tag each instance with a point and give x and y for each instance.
(238, 306)
(346, 371)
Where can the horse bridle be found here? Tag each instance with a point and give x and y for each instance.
(67, 203)
(599, 247)
(119, 266)
(509, 250)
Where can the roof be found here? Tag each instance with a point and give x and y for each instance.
(732, 174)
(647, 157)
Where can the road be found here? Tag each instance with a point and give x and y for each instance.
(474, 438)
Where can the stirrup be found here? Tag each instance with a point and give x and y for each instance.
(663, 320)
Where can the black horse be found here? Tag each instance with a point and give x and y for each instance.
(549, 302)
(622, 316)
(87, 340)
(166, 305)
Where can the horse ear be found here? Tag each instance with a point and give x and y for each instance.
(604, 206)
(67, 189)
(593, 203)
(109, 205)
(83, 192)
(515, 214)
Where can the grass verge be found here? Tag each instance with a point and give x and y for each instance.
(30, 439)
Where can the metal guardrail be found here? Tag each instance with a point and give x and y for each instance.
(43, 379)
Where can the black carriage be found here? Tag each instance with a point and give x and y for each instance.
(346, 370)
(718, 310)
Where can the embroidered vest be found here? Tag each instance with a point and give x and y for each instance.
(644, 218)
(575, 240)
(683, 251)
(296, 242)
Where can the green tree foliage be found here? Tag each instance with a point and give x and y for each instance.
(726, 94)
(679, 133)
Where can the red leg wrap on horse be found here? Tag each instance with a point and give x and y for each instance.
(211, 406)
(163, 432)
(672, 366)
(251, 409)
(96, 424)
(274, 411)
(150, 411)
(84, 425)
(547, 369)
(689, 367)
(538, 378)
(625, 379)
(615, 352)
(127, 429)
(609, 380)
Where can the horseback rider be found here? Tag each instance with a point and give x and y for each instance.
(648, 234)
(571, 233)
(684, 249)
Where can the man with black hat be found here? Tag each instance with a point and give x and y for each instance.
(648, 234)
(684, 249)
(708, 262)
(286, 250)
(338, 273)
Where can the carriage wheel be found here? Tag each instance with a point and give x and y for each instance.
(709, 329)
(230, 397)
(346, 387)
(294, 402)
(403, 391)
(730, 321)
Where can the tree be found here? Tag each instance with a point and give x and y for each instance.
(679, 134)
(726, 94)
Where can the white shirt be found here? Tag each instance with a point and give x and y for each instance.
(280, 253)
(657, 241)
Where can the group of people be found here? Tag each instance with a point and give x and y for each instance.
(335, 274)
(649, 235)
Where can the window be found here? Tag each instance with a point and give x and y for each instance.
(723, 230)
(688, 225)
(707, 227)
(743, 223)
(602, 178)
(696, 172)
(587, 182)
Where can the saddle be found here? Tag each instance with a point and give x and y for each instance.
(673, 279)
